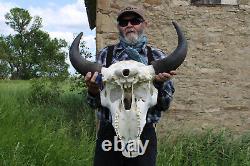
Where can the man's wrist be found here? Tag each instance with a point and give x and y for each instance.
(158, 84)
(93, 94)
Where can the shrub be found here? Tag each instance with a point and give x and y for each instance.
(45, 91)
(77, 84)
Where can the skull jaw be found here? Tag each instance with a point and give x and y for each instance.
(129, 124)
(130, 127)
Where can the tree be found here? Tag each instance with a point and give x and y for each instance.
(4, 68)
(31, 52)
(84, 50)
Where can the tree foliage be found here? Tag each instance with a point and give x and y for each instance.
(30, 53)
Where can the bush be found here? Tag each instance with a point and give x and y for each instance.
(45, 91)
(78, 84)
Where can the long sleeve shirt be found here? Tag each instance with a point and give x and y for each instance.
(165, 89)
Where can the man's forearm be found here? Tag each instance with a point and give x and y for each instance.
(93, 100)
(165, 95)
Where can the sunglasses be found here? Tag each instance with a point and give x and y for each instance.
(133, 21)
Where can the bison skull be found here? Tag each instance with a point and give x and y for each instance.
(128, 93)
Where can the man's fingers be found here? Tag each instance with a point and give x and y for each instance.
(90, 80)
(164, 76)
(157, 77)
(172, 72)
(94, 77)
(87, 76)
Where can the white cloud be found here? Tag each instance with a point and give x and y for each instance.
(90, 41)
(68, 36)
(5, 8)
(60, 22)
(72, 17)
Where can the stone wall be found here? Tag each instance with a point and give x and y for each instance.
(213, 84)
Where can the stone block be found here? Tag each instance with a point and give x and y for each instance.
(244, 2)
(245, 7)
(103, 4)
(153, 2)
(105, 23)
(180, 3)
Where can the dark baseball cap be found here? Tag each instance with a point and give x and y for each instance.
(131, 9)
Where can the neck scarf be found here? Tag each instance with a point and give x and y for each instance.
(133, 50)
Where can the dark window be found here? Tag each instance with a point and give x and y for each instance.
(205, 2)
(214, 2)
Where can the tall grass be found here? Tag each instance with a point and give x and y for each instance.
(62, 133)
(44, 134)
(205, 149)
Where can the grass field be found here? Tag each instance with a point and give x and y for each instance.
(47, 134)
(61, 132)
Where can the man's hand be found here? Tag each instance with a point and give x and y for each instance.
(161, 77)
(93, 87)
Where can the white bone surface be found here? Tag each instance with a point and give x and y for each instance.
(136, 87)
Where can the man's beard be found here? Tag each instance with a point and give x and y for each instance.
(132, 38)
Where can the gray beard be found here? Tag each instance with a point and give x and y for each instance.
(131, 38)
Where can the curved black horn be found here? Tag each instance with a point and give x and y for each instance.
(175, 59)
(79, 63)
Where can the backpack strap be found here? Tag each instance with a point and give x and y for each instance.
(109, 55)
(149, 55)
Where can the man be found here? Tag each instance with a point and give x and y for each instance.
(132, 46)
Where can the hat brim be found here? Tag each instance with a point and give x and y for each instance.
(127, 13)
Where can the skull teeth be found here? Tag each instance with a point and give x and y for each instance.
(127, 85)
(116, 125)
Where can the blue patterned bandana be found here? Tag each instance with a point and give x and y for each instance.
(133, 49)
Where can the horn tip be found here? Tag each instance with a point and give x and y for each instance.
(80, 35)
(175, 24)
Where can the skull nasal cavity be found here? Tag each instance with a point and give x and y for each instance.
(125, 72)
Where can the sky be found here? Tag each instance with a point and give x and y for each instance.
(62, 19)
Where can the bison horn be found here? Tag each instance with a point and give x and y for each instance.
(79, 63)
(175, 59)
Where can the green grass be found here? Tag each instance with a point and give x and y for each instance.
(53, 134)
(205, 149)
(62, 133)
